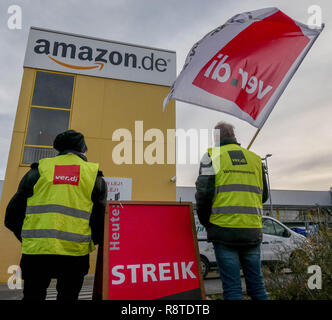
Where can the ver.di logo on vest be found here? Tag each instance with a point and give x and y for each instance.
(66, 174)
(237, 157)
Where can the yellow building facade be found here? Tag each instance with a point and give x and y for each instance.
(112, 93)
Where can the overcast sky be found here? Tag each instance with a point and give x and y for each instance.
(298, 132)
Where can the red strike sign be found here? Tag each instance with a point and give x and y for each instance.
(151, 252)
(252, 65)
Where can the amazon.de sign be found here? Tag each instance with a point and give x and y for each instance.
(65, 52)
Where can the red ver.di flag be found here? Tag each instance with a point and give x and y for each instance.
(242, 67)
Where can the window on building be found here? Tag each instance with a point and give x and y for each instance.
(49, 114)
(53, 90)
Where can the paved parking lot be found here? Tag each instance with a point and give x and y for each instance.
(212, 285)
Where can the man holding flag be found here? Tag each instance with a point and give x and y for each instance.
(240, 68)
(231, 187)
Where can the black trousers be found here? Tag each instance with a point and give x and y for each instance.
(38, 270)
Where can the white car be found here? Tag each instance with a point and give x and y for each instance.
(279, 244)
(208, 258)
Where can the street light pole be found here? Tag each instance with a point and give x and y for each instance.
(268, 181)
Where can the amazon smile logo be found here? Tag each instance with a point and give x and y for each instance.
(99, 65)
(98, 57)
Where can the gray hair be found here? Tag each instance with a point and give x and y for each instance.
(225, 130)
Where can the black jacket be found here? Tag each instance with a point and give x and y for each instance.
(15, 212)
(205, 190)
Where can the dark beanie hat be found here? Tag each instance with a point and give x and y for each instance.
(70, 140)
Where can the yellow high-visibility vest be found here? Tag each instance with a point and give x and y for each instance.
(58, 213)
(237, 202)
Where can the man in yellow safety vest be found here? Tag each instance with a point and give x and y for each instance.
(230, 190)
(58, 215)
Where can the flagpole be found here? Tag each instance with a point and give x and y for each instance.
(253, 139)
